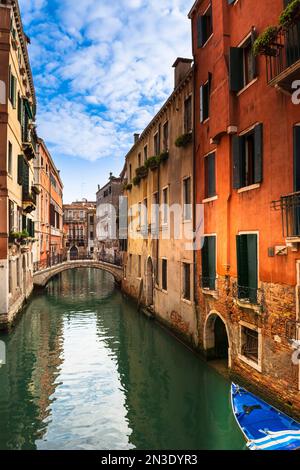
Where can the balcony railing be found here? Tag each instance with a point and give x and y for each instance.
(290, 214)
(283, 58)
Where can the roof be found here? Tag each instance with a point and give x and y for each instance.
(42, 142)
(193, 9)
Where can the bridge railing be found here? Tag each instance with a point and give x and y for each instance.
(50, 261)
(58, 259)
(115, 259)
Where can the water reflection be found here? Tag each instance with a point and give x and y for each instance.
(85, 371)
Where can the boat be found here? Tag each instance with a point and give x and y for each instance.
(264, 427)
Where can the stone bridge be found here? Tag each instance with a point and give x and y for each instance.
(40, 278)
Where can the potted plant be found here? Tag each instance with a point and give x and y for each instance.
(14, 237)
(291, 14)
(141, 171)
(136, 180)
(152, 163)
(24, 235)
(263, 44)
(164, 156)
(127, 187)
(184, 140)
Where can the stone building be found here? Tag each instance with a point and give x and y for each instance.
(158, 267)
(49, 213)
(247, 176)
(79, 219)
(107, 214)
(17, 153)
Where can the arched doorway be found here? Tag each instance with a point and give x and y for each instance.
(73, 253)
(216, 338)
(149, 282)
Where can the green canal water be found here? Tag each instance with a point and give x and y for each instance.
(85, 370)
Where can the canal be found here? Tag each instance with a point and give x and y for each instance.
(86, 371)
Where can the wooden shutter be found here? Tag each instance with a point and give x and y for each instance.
(212, 175)
(236, 73)
(212, 262)
(20, 169)
(237, 156)
(205, 264)
(242, 264)
(258, 153)
(297, 158)
(25, 177)
(253, 59)
(200, 31)
(252, 267)
(24, 222)
(201, 103)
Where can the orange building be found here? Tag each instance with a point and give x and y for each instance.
(49, 225)
(247, 152)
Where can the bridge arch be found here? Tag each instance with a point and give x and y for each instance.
(41, 278)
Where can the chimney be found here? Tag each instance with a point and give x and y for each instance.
(136, 137)
(182, 66)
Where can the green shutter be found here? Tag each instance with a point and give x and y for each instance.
(236, 73)
(242, 265)
(211, 175)
(252, 267)
(20, 169)
(201, 104)
(25, 177)
(24, 222)
(258, 153)
(200, 31)
(237, 160)
(205, 264)
(212, 262)
(297, 158)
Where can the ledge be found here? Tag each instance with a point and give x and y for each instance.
(247, 305)
(212, 293)
(209, 199)
(249, 188)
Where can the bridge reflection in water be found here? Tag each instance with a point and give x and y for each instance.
(86, 371)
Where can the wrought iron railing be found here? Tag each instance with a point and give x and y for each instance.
(290, 214)
(48, 263)
(284, 51)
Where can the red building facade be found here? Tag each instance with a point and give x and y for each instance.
(247, 156)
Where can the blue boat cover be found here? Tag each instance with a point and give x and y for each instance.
(264, 427)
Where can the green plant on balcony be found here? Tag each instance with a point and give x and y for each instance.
(141, 171)
(127, 187)
(263, 44)
(184, 140)
(136, 180)
(163, 156)
(152, 163)
(291, 14)
(14, 237)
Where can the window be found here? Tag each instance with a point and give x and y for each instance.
(130, 172)
(165, 208)
(145, 153)
(187, 206)
(139, 266)
(10, 158)
(204, 27)
(145, 217)
(10, 276)
(20, 108)
(139, 214)
(18, 278)
(249, 343)
(164, 271)
(91, 235)
(247, 267)
(209, 263)
(81, 214)
(188, 115)
(91, 219)
(156, 144)
(247, 158)
(139, 160)
(186, 294)
(242, 64)
(11, 216)
(210, 175)
(130, 262)
(155, 215)
(12, 88)
(205, 99)
(166, 136)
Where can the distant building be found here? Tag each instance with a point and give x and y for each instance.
(18, 193)
(107, 215)
(49, 213)
(79, 229)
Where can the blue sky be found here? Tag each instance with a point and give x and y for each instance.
(102, 69)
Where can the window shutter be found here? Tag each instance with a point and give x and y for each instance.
(201, 104)
(20, 169)
(236, 76)
(258, 152)
(252, 267)
(212, 262)
(211, 175)
(205, 264)
(254, 60)
(230, 2)
(25, 177)
(242, 264)
(200, 31)
(297, 158)
(237, 161)
(24, 222)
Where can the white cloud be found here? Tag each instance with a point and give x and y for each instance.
(111, 63)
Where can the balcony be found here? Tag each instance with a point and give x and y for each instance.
(28, 145)
(289, 206)
(28, 201)
(283, 58)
